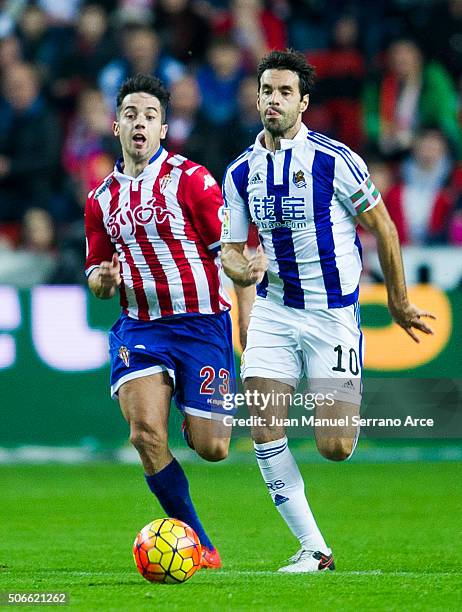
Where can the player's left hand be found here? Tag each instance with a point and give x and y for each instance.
(409, 317)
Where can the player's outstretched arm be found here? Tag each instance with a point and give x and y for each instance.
(409, 317)
(104, 280)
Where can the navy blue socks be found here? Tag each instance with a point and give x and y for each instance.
(171, 488)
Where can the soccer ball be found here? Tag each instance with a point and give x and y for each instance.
(167, 550)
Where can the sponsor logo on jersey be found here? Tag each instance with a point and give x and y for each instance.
(256, 179)
(143, 214)
(292, 212)
(124, 354)
(298, 179)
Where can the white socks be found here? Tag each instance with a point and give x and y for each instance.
(286, 487)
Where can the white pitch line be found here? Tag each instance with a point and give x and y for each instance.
(339, 573)
(233, 573)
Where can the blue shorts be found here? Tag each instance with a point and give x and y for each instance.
(195, 350)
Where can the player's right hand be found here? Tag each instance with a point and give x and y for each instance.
(109, 273)
(409, 317)
(257, 266)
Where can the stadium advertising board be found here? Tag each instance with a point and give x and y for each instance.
(54, 361)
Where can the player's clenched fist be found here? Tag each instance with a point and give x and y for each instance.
(257, 266)
(109, 272)
(105, 279)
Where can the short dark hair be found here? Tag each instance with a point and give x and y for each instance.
(289, 60)
(147, 84)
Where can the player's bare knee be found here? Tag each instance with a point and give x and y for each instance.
(148, 440)
(335, 449)
(216, 451)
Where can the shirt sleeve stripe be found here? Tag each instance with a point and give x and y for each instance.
(344, 151)
(358, 175)
(90, 270)
(215, 245)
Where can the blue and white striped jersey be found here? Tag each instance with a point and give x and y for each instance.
(303, 199)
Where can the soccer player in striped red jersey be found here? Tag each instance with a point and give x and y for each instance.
(153, 232)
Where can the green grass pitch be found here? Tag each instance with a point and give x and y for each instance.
(394, 529)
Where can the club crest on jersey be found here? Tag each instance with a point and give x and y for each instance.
(298, 179)
(256, 179)
(165, 182)
(124, 354)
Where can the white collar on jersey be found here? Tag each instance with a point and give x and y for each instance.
(286, 143)
(152, 166)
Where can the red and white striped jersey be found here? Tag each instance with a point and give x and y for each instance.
(165, 225)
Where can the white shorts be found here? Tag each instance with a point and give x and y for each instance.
(325, 346)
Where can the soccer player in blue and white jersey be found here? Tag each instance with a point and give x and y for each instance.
(305, 193)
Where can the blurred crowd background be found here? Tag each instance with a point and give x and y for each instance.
(389, 85)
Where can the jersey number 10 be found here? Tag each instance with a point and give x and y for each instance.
(353, 361)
